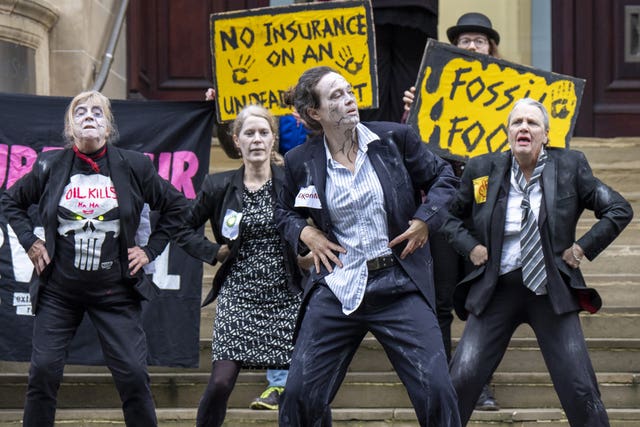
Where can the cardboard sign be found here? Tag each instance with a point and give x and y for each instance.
(259, 54)
(463, 100)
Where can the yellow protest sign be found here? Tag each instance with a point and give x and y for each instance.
(463, 99)
(258, 54)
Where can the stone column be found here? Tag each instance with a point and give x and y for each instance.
(24, 45)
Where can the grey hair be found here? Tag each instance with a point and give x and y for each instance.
(532, 102)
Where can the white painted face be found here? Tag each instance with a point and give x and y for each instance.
(527, 133)
(338, 106)
(255, 140)
(90, 124)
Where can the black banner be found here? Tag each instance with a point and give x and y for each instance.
(177, 137)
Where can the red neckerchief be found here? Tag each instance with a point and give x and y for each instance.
(91, 160)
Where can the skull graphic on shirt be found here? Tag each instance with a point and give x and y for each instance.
(88, 208)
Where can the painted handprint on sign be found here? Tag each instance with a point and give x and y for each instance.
(562, 100)
(348, 62)
(240, 70)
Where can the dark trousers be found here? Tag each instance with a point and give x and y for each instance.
(486, 337)
(398, 316)
(124, 345)
(448, 267)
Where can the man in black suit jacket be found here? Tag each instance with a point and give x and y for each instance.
(485, 223)
(360, 184)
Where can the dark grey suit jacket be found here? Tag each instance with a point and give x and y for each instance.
(136, 182)
(405, 169)
(569, 188)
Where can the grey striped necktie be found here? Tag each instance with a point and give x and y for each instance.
(534, 275)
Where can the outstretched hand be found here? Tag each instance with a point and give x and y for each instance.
(321, 248)
(417, 235)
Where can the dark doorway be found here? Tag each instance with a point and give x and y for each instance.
(168, 52)
(599, 40)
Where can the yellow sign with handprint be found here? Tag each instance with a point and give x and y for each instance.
(258, 54)
(463, 99)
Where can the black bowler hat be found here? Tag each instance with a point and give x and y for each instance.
(473, 23)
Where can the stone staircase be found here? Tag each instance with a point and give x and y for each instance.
(372, 394)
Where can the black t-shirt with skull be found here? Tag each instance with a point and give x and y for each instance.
(87, 248)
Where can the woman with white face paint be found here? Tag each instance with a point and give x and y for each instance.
(258, 283)
(89, 198)
(515, 217)
(349, 199)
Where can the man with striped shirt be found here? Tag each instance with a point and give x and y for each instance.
(360, 184)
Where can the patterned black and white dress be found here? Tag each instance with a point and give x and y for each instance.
(256, 312)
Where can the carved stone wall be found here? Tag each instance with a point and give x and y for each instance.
(24, 42)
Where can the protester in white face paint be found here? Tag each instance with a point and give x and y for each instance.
(357, 183)
(258, 283)
(514, 217)
(89, 198)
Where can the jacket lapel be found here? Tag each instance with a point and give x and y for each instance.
(119, 171)
(549, 177)
(498, 170)
(384, 164)
(59, 177)
(237, 183)
(315, 170)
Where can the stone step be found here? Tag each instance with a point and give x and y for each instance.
(614, 322)
(615, 319)
(621, 291)
(359, 390)
(523, 355)
(620, 354)
(615, 161)
(351, 417)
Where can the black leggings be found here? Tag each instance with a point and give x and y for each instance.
(213, 404)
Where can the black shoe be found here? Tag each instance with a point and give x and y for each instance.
(486, 401)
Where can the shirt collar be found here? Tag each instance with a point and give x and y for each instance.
(513, 159)
(365, 137)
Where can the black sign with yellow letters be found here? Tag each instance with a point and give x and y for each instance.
(463, 99)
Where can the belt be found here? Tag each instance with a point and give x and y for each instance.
(380, 262)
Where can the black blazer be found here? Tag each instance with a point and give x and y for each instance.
(136, 182)
(405, 169)
(568, 187)
(220, 192)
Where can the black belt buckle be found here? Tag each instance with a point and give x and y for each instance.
(380, 262)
